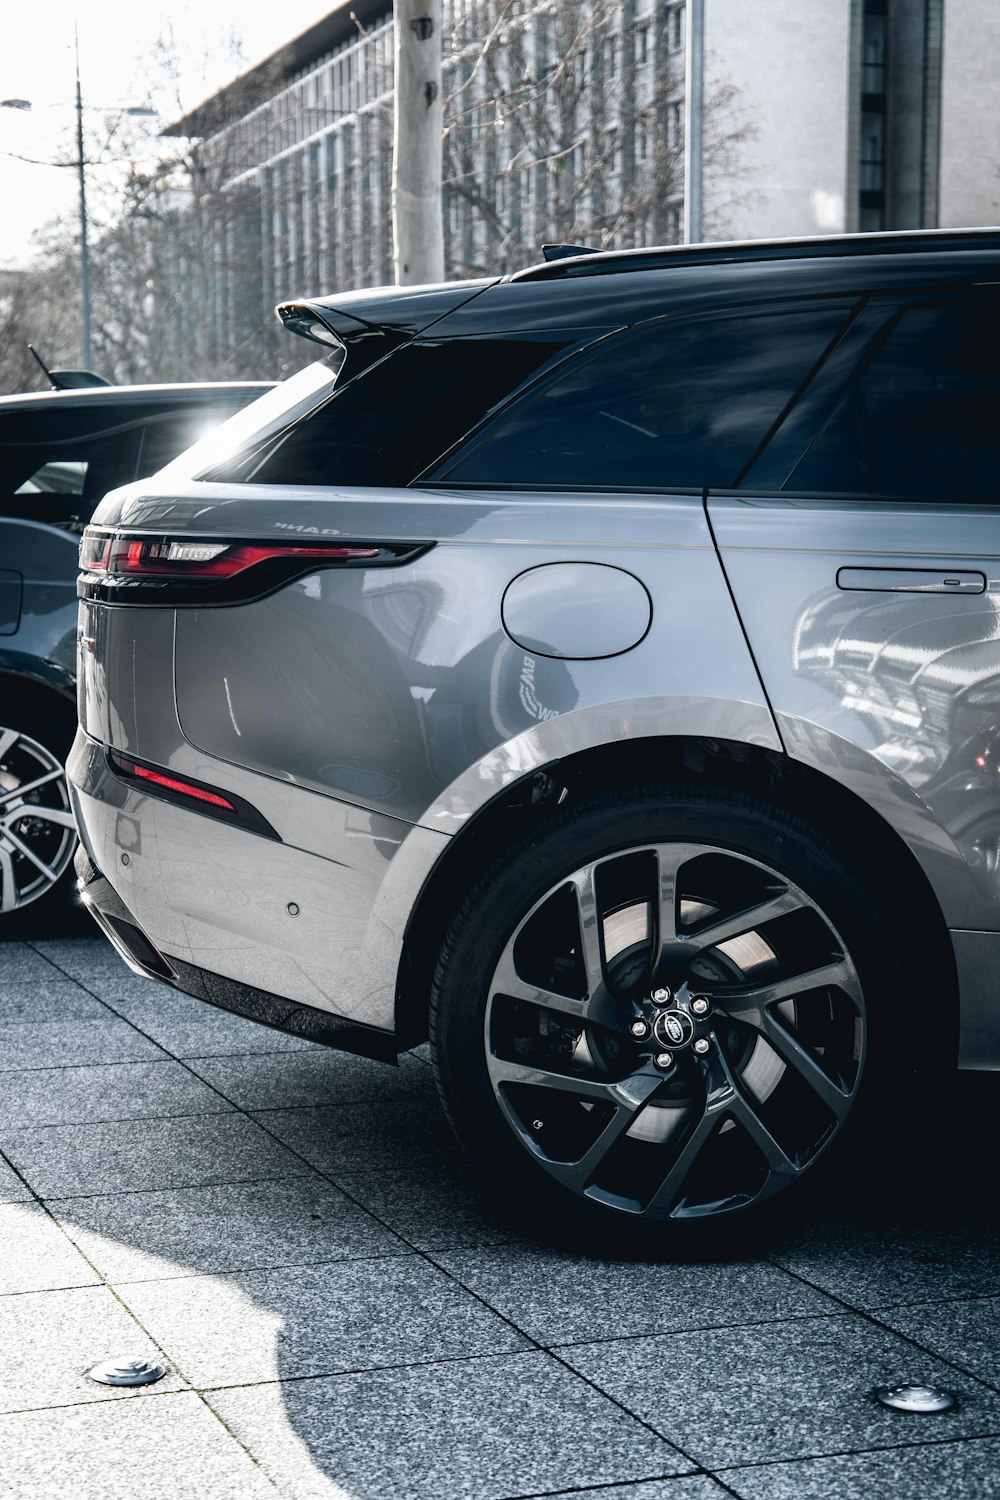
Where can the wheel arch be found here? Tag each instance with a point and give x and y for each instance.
(29, 694)
(527, 802)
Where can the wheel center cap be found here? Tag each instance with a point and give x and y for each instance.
(673, 1028)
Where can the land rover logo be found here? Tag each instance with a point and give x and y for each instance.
(673, 1028)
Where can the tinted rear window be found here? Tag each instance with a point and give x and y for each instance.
(387, 426)
(683, 404)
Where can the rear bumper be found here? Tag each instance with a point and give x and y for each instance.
(123, 932)
(306, 941)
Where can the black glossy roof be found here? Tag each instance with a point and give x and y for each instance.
(604, 262)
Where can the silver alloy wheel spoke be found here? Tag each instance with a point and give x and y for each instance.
(750, 1004)
(670, 859)
(29, 853)
(37, 829)
(30, 786)
(585, 886)
(715, 932)
(8, 885)
(507, 981)
(666, 1195)
(834, 1096)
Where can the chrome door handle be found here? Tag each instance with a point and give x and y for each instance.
(911, 581)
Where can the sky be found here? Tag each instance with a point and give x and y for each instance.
(116, 38)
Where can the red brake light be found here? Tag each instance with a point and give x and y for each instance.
(164, 558)
(185, 788)
(175, 571)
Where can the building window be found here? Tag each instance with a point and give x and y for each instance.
(641, 44)
(675, 126)
(675, 27)
(872, 152)
(610, 56)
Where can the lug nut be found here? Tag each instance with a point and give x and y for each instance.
(700, 1005)
(701, 1045)
(661, 996)
(664, 1059)
(639, 1029)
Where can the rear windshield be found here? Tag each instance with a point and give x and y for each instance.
(398, 417)
(258, 423)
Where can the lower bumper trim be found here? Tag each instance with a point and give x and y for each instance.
(123, 932)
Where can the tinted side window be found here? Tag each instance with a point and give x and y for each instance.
(398, 417)
(60, 482)
(685, 404)
(922, 417)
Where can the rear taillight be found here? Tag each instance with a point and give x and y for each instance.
(116, 568)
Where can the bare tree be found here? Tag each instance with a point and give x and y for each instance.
(567, 123)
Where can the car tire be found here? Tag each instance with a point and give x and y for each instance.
(37, 833)
(570, 1052)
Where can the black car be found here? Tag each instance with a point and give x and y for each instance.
(60, 451)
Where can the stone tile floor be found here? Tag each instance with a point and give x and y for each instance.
(346, 1316)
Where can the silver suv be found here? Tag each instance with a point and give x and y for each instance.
(596, 671)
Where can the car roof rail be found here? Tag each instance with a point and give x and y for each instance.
(602, 262)
(563, 252)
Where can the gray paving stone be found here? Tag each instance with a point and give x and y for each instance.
(64, 1044)
(967, 1332)
(434, 1208)
(471, 1430)
(319, 1076)
(61, 1161)
(695, 1487)
(50, 1339)
(49, 999)
(12, 1189)
(239, 1227)
(934, 1471)
(36, 1255)
(191, 1028)
(785, 1390)
(354, 1315)
(560, 1299)
(880, 1266)
(172, 1446)
(115, 1091)
(20, 963)
(90, 959)
(393, 1135)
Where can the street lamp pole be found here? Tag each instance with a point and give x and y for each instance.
(84, 245)
(694, 111)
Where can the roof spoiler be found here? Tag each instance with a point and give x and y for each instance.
(371, 324)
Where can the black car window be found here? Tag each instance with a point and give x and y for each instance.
(922, 418)
(682, 404)
(386, 426)
(61, 482)
(165, 437)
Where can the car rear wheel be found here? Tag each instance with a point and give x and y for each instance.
(37, 833)
(664, 1008)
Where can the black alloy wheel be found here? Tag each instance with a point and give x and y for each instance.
(656, 1008)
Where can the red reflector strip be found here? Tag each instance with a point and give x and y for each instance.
(184, 787)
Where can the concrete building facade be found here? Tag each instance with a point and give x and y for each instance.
(566, 121)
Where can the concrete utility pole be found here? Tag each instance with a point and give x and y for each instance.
(417, 228)
(694, 112)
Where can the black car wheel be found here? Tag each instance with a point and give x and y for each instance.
(659, 1007)
(37, 832)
